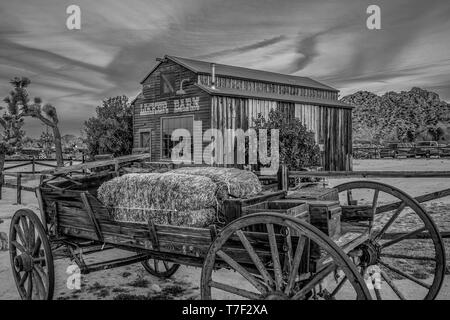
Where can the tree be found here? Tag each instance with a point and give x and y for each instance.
(298, 148)
(19, 99)
(111, 130)
(11, 137)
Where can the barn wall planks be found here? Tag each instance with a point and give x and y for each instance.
(331, 126)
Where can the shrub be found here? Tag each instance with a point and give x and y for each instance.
(298, 148)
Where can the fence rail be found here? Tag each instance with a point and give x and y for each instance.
(375, 152)
(19, 187)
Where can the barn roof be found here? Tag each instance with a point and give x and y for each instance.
(204, 67)
(228, 92)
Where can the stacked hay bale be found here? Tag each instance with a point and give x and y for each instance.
(166, 198)
(190, 196)
(232, 182)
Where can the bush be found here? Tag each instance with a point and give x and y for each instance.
(298, 148)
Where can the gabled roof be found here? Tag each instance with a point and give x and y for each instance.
(228, 92)
(204, 67)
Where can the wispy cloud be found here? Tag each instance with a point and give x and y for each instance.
(119, 41)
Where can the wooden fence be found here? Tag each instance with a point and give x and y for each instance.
(18, 186)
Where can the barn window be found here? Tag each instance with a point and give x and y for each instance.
(168, 125)
(167, 81)
(144, 139)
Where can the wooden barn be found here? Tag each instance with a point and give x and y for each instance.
(178, 91)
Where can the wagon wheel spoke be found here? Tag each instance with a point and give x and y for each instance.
(315, 280)
(155, 265)
(403, 237)
(275, 256)
(375, 200)
(255, 258)
(390, 221)
(19, 233)
(288, 258)
(31, 235)
(26, 231)
(37, 247)
(23, 279)
(391, 284)
(30, 288)
(239, 268)
(295, 264)
(19, 246)
(403, 256)
(405, 275)
(40, 283)
(339, 286)
(39, 269)
(237, 291)
(166, 265)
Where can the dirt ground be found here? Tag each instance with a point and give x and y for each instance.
(132, 282)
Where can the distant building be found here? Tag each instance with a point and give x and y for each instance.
(178, 91)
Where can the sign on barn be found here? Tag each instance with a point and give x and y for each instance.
(188, 104)
(154, 108)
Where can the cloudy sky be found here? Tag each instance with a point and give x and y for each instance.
(119, 41)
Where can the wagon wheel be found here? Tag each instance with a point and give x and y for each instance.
(276, 263)
(31, 257)
(160, 268)
(411, 256)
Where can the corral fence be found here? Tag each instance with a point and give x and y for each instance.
(17, 177)
(374, 152)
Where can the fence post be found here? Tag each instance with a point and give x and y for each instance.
(283, 177)
(1, 184)
(19, 188)
(33, 166)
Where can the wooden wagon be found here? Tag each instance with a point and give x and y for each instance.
(302, 245)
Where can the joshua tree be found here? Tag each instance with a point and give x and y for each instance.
(20, 101)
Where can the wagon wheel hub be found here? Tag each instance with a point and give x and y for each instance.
(370, 253)
(23, 262)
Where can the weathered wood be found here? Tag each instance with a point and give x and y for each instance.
(275, 256)
(41, 209)
(153, 234)
(19, 188)
(92, 216)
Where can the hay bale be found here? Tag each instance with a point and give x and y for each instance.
(234, 182)
(167, 198)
